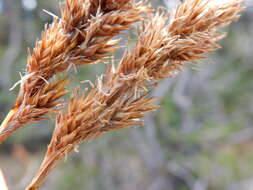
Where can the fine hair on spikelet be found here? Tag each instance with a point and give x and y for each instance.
(120, 98)
(84, 34)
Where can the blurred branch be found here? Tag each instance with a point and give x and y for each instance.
(184, 173)
(14, 41)
(182, 98)
(27, 176)
(149, 146)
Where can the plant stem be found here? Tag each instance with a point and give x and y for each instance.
(4, 124)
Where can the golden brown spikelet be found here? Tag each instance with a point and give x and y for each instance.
(43, 102)
(192, 32)
(108, 5)
(109, 107)
(195, 27)
(120, 98)
(83, 35)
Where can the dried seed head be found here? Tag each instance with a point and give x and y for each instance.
(120, 99)
(191, 32)
(43, 102)
(83, 35)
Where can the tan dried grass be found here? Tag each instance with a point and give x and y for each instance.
(120, 97)
(83, 35)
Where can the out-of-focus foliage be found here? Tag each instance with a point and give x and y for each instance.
(200, 139)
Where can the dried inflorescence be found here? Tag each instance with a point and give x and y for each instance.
(192, 32)
(83, 35)
(197, 33)
(120, 97)
(45, 101)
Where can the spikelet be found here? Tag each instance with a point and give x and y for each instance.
(120, 99)
(44, 102)
(83, 35)
(192, 32)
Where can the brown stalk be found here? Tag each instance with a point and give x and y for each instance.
(120, 99)
(83, 35)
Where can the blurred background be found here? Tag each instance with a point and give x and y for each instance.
(200, 139)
